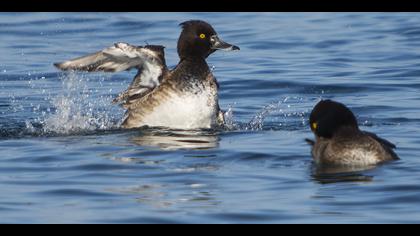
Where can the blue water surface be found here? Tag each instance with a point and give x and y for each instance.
(64, 158)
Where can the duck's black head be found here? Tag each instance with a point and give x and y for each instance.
(199, 39)
(329, 116)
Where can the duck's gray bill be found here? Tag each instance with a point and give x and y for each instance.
(217, 44)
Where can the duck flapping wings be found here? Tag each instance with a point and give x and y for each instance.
(149, 60)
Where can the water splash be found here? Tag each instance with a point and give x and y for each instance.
(289, 113)
(282, 112)
(77, 108)
(230, 123)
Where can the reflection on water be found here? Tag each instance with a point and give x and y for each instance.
(177, 139)
(158, 195)
(334, 174)
(151, 194)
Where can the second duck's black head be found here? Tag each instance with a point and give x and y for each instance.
(329, 116)
(199, 39)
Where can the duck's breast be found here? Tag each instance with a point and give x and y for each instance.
(179, 107)
(185, 111)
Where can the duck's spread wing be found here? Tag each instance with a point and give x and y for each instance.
(119, 57)
(149, 60)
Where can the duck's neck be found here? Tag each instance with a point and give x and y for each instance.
(193, 65)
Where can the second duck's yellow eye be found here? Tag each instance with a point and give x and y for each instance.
(314, 125)
(202, 36)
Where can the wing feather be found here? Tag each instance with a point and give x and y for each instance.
(119, 57)
(387, 145)
(382, 141)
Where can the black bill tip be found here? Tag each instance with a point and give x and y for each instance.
(235, 48)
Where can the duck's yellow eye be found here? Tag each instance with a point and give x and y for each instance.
(202, 36)
(314, 125)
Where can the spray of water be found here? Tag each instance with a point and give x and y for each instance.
(76, 108)
(280, 113)
(230, 123)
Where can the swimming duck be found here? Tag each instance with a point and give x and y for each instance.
(339, 141)
(185, 97)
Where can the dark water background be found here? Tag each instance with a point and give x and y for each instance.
(63, 158)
